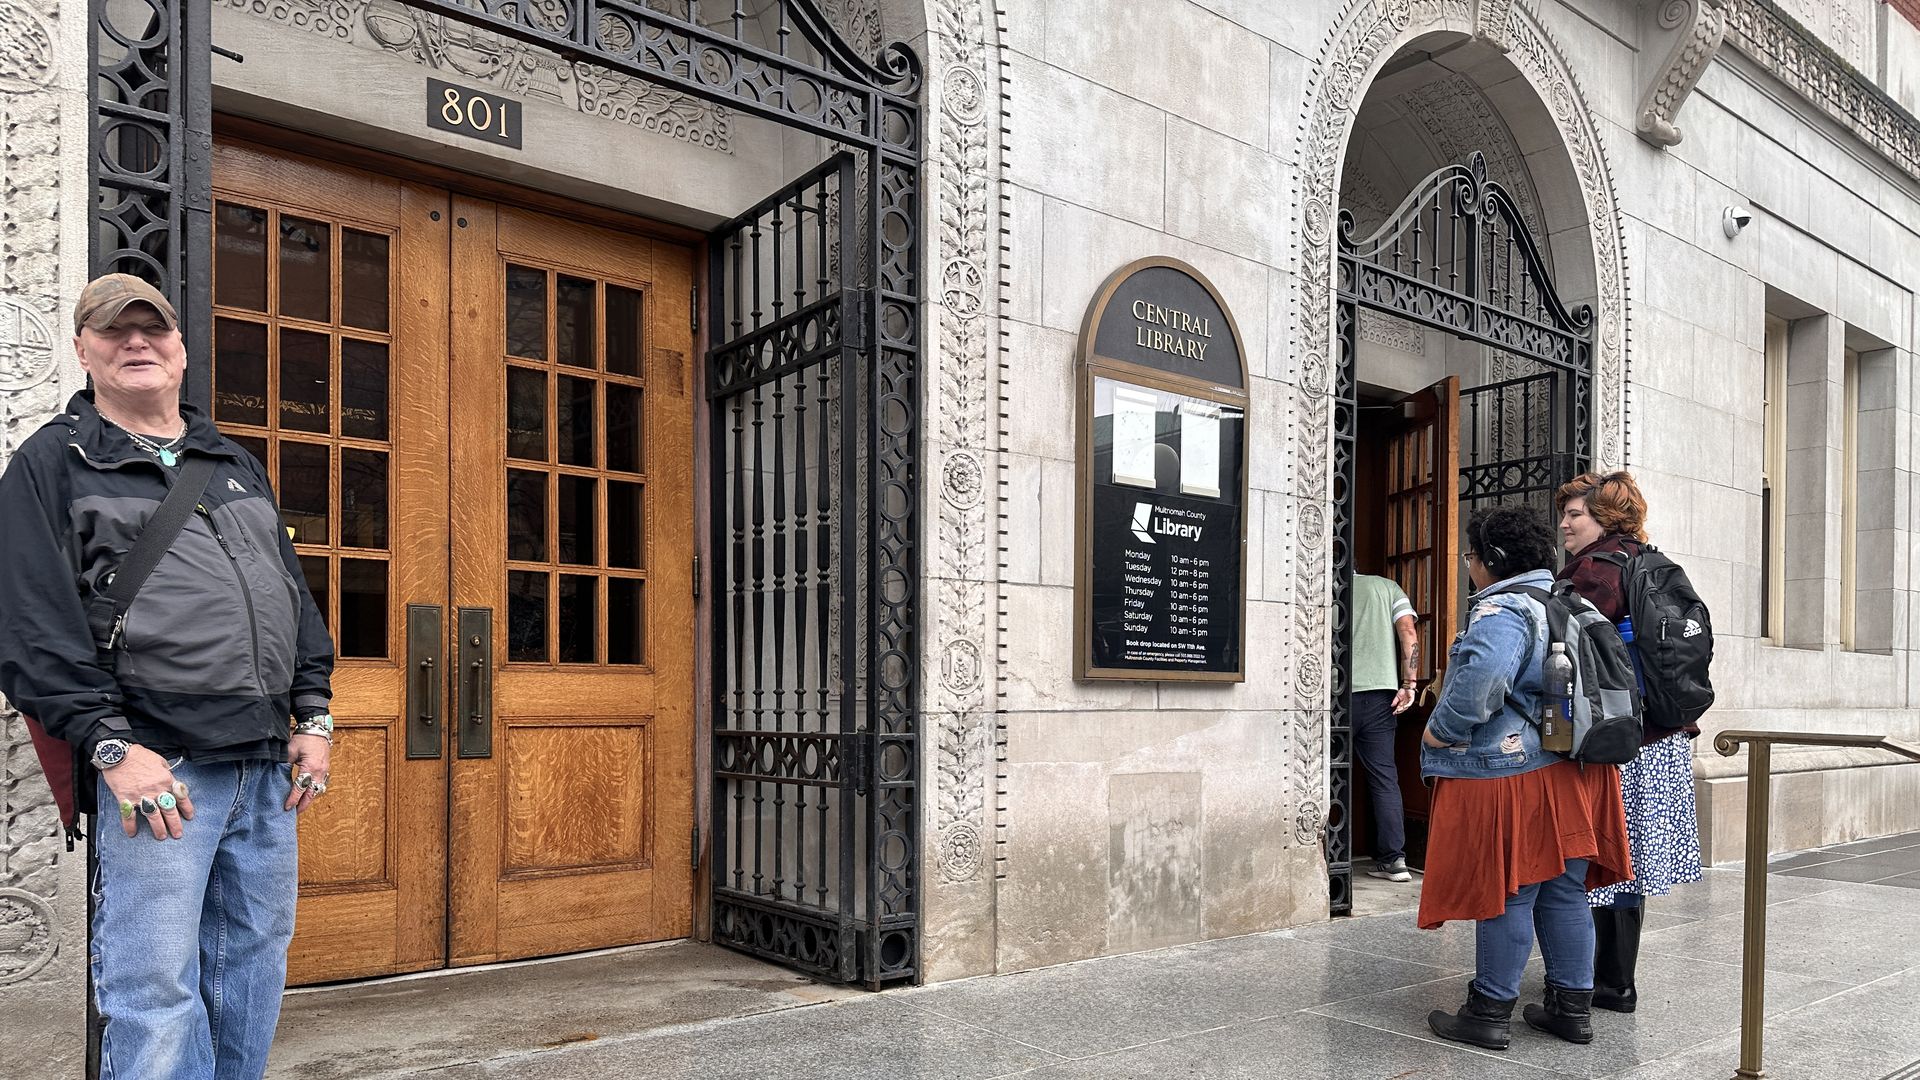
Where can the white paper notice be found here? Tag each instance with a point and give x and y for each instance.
(1133, 423)
(1199, 449)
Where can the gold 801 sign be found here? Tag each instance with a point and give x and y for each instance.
(473, 113)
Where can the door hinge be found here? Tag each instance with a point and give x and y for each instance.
(696, 577)
(693, 309)
(862, 764)
(696, 846)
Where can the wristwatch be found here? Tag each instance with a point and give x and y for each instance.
(109, 752)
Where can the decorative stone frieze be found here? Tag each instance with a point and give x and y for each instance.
(1697, 27)
(528, 71)
(1797, 57)
(965, 386)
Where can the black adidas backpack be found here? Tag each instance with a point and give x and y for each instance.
(1606, 702)
(1673, 633)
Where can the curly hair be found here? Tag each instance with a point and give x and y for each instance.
(1613, 501)
(1511, 540)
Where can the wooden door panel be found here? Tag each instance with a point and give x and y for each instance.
(329, 362)
(1422, 554)
(573, 464)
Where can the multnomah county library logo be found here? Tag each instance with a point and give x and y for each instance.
(1146, 523)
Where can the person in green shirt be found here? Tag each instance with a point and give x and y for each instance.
(1386, 665)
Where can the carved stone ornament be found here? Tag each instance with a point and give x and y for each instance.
(961, 667)
(1490, 19)
(1701, 25)
(963, 480)
(27, 938)
(26, 346)
(960, 851)
(26, 49)
(507, 66)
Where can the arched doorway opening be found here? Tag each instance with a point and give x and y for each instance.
(1463, 369)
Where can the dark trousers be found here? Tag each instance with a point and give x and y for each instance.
(1373, 729)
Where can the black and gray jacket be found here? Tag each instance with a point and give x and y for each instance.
(222, 645)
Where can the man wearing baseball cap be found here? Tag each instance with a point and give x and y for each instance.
(197, 710)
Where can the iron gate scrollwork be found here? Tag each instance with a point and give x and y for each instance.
(814, 396)
(1455, 256)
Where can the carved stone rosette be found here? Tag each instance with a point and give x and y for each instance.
(1364, 34)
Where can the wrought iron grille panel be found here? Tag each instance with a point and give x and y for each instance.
(1346, 420)
(815, 770)
(150, 159)
(1456, 256)
(1514, 449)
(827, 372)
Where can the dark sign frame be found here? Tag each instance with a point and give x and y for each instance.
(1204, 362)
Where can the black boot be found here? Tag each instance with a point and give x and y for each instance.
(1616, 950)
(1482, 1021)
(1568, 1014)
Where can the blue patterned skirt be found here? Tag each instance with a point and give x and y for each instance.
(1663, 828)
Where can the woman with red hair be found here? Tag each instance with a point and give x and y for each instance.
(1606, 513)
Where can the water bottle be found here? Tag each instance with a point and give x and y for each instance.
(1556, 701)
(1626, 635)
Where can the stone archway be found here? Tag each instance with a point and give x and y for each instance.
(1365, 35)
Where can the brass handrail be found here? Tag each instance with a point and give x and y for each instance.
(1753, 955)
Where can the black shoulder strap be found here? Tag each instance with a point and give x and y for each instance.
(111, 604)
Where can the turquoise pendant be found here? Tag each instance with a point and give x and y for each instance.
(168, 457)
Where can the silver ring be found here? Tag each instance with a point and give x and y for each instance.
(148, 806)
(319, 787)
(303, 781)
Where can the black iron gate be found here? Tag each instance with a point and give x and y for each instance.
(814, 390)
(1456, 256)
(813, 765)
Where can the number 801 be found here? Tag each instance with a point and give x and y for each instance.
(477, 113)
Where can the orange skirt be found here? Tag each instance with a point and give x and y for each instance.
(1487, 839)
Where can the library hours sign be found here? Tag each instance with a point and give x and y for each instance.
(1160, 575)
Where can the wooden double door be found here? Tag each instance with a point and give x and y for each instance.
(479, 422)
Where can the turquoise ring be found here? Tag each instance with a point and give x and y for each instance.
(166, 801)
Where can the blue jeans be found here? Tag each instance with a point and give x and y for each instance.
(190, 935)
(1373, 728)
(1557, 909)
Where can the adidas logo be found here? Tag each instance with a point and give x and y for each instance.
(234, 485)
(1694, 629)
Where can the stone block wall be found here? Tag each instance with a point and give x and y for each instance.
(1142, 814)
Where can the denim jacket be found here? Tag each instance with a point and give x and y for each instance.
(1493, 673)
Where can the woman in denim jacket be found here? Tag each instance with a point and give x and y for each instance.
(1517, 834)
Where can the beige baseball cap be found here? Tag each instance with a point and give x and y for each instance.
(106, 296)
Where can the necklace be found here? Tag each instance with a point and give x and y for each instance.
(167, 452)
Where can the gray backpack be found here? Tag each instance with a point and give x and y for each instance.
(1606, 695)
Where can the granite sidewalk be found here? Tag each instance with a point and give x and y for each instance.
(1345, 1000)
